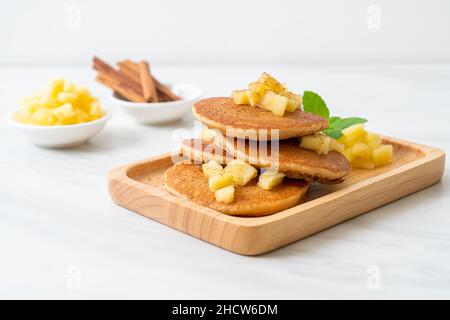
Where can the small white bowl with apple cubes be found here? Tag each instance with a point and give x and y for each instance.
(62, 115)
(161, 112)
(61, 136)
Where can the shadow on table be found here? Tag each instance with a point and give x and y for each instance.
(348, 230)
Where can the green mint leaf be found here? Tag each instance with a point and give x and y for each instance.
(347, 122)
(313, 103)
(332, 120)
(336, 125)
(334, 133)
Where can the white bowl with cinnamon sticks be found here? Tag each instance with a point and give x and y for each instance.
(139, 94)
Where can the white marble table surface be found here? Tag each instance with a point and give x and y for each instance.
(62, 237)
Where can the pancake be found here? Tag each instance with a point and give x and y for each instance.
(295, 162)
(247, 122)
(199, 151)
(186, 180)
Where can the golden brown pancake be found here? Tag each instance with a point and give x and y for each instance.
(295, 162)
(186, 180)
(247, 122)
(200, 151)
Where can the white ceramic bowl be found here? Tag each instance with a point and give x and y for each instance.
(60, 136)
(161, 112)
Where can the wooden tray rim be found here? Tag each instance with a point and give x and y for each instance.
(122, 173)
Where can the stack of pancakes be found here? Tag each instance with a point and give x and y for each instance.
(265, 141)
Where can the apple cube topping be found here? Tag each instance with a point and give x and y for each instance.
(241, 171)
(61, 103)
(212, 168)
(225, 195)
(269, 94)
(320, 143)
(365, 149)
(219, 181)
(270, 179)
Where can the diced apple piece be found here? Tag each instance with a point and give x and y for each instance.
(69, 86)
(294, 101)
(219, 181)
(236, 162)
(42, 117)
(225, 195)
(361, 150)
(241, 171)
(55, 87)
(268, 93)
(253, 99)
(363, 163)
(29, 101)
(82, 116)
(354, 133)
(51, 119)
(65, 97)
(355, 130)
(95, 111)
(273, 84)
(270, 179)
(349, 155)
(325, 146)
(275, 103)
(310, 143)
(257, 91)
(212, 168)
(364, 149)
(84, 97)
(258, 87)
(63, 103)
(30, 105)
(241, 96)
(337, 146)
(346, 142)
(24, 115)
(39, 116)
(64, 112)
(48, 101)
(373, 140)
(383, 154)
(317, 142)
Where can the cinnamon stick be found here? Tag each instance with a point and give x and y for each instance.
(131, 69)
(133, 81)
(164, 90)
(120, 87)
(107, 71)
(147, 82)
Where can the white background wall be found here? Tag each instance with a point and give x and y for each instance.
(202, 31)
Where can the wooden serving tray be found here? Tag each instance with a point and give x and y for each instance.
(140, 187)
